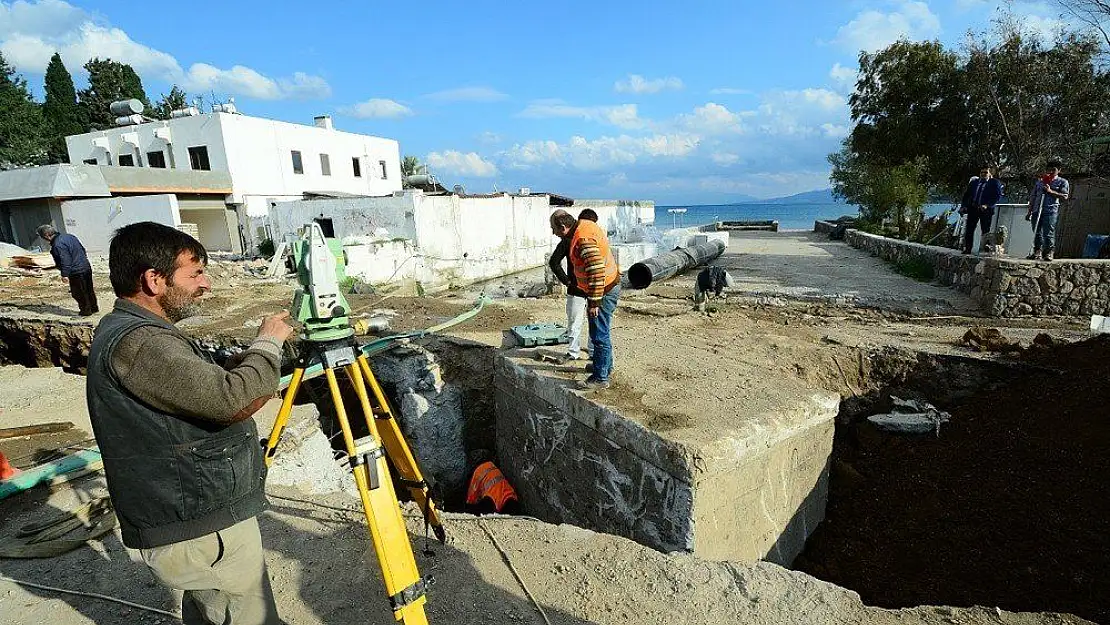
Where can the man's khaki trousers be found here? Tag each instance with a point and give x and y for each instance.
(223, 575)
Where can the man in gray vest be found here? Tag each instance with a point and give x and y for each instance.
(181, 451)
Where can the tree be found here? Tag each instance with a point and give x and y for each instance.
(169, 102)
(1093, 14)
(61, 115)
(22, 142)
(411, 166)
(884, 193)
(109, 81)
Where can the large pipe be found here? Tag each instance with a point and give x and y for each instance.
(663, 266)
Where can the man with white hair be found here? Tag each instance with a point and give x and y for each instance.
(711, 283)
(73, 262)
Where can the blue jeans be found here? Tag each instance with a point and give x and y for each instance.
(1044, 231)
(599, 335)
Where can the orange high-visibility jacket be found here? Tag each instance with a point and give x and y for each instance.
(488, 481)
(594, 275)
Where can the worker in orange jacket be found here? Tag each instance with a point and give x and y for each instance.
(597, 275)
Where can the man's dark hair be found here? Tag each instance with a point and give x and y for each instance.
(588, 214)
(564, 219)
(147, 245)
(988, 168)
(1054, 164)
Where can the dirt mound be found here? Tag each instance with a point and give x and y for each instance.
(1009, 507)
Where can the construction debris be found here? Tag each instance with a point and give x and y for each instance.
(910, 417)
(982, 339)
(32, 261)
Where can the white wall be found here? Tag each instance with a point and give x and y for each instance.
(257, 153)
(622, 219)
(351, 217)
(212, 228)
(94, 221)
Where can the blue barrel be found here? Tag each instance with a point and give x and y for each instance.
(1093, 245)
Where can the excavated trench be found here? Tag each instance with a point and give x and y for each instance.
(1008, 506)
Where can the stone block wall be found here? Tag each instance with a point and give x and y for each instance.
(1001, 286)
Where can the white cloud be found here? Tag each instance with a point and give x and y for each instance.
(459, 164)
(729, 91)
(843, 76)
(468, 94)
(873, 30)
(621, 115)
(376, 108)
(30, 32)
(599, 154)
(802, 112)
(636, 83)
(724, 158)
(489, 138)
(712, 119)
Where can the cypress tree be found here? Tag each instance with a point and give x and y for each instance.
(60, 112)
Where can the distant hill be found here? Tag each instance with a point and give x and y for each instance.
(820, 196)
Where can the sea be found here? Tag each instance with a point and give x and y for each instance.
(798, 216)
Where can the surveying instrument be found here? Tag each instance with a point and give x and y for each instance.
(327, 340)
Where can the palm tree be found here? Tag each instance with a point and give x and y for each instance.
(411, 166)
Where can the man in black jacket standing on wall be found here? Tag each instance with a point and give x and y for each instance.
(181, 452)
(72, 261)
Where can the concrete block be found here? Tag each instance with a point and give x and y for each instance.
(754, 492)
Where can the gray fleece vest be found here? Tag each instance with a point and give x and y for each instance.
(170, 478)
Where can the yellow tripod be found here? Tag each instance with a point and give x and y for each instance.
(367, 456)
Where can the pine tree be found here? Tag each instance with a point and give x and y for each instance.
(109, 81)
(61, 115)
(170, 102)
(22, 143)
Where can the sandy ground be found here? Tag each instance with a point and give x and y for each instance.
(803, 310)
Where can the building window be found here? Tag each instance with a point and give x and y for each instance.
(357, 166)
(385, 175)
(198, 158)
(325, 165)
(90, 161)
(298, 166)
(126, 160)
(156, 159)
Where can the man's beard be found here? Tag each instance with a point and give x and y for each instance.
(178, 304)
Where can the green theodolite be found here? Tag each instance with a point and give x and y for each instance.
(319, 304)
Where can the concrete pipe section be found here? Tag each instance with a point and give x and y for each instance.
(668, 264)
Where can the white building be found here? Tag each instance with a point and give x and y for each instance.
(268, 161)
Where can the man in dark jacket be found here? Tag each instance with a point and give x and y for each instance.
(980, 198)
(72, 261)
(181, 452)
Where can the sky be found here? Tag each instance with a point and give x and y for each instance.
(679, 102)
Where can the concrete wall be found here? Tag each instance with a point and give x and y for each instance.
(256, 153)
(622, 218)
(212, 228)
(351, 218)
(1005, 287)
(755, 492)
(94, 221)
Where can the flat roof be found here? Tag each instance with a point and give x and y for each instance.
(85, 181)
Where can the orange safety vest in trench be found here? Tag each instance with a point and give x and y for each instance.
(587, 229)
(489, 483)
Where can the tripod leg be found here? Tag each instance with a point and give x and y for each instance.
(389, 432)
(283, 415)
(383, 516)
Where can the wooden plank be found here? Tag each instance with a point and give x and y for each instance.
(30, 478)
(30, 430)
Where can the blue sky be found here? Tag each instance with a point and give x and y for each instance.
(679, 102)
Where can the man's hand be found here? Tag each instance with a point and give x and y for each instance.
(593, 311)
(276, 327)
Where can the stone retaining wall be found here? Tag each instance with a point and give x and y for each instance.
(1005, 287)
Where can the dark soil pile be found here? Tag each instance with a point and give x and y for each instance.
(1009, 507)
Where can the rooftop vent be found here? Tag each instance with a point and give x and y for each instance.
(323, 121)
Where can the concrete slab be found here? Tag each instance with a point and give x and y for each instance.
(807, 265)
(751, 487)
